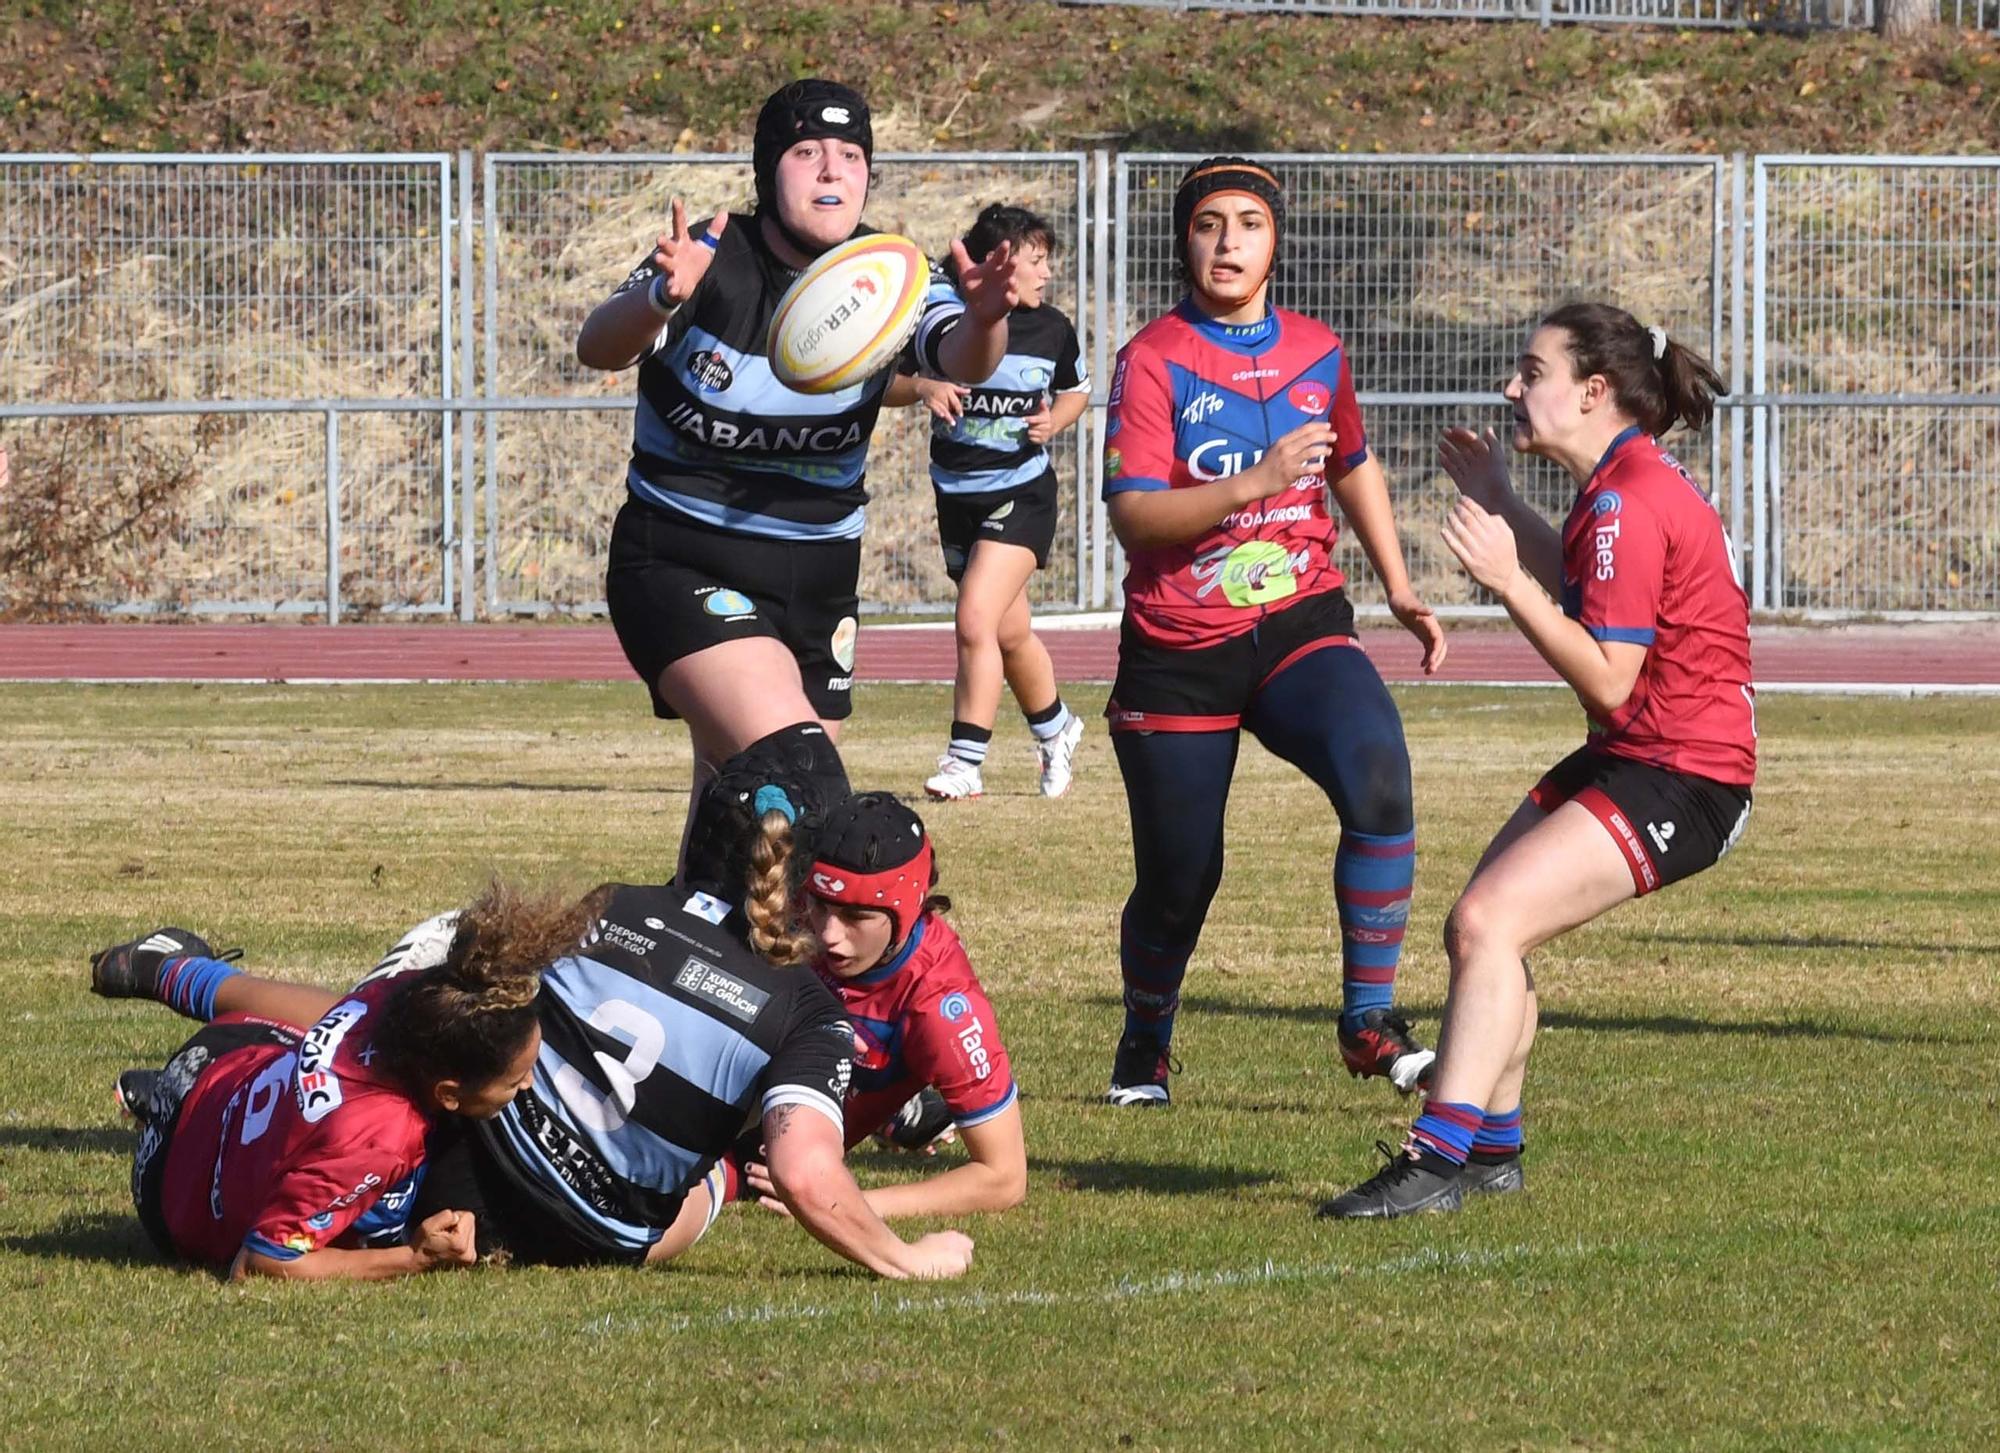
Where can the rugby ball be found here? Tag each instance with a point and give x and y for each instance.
(849, 313)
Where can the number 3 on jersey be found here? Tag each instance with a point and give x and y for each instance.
(592, 1108)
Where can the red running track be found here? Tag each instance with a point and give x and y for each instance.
(1920, 657)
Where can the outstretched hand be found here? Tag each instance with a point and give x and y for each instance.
(988, 287)
(683, 260)
(1476, 465)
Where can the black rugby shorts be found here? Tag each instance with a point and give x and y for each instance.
(1024, 517)
(1669, 825)
(676, 587)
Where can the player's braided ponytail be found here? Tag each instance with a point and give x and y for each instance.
(1658, 381)
(769, 903)
(468, 1018)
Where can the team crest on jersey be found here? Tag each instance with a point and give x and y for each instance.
(316, 1085)
(1310, 396)
(710, 371)
(844, 636)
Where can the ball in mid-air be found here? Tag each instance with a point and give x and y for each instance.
(848, 314)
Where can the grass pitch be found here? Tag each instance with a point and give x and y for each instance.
(1763, 1208)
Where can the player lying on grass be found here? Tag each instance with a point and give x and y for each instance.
(686, 1012)
(735, 560)
(1635, 603)
(1231, 435)
(920, 1017)
(274, 1149)
(997, 503)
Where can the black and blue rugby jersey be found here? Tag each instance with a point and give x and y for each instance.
(662, 1038)
(988, 449)
(719, 439)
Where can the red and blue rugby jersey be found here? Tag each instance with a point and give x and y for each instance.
(922, 1019)
(1645, 561)
(284, 1150)
(1195, 400)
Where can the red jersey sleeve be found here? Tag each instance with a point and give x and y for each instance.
(1620, 566)
(1350, 447)
(326, 1190)
(953, 1043)
(1139, 423)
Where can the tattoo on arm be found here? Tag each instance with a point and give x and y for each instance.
(779, 1121)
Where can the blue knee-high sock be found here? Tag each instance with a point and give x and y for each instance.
(1372, 878)
(1153, 975)
(1446, 1128)
(1499, 1135)
(188, 984)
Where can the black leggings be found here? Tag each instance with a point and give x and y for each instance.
(1330, 716)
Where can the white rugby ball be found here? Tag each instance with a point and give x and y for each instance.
(848, 314)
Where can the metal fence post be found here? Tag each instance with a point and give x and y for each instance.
(332, 516)
(1760, 576)
(491, 342)
(464, 391)
(447, 221)
(1736, 221)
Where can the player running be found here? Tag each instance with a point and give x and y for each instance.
(920, 1017)
(686, 1013)
(997, 501)
(279, 1151)
(735, 560)
(1232, 430)
(1653, 633)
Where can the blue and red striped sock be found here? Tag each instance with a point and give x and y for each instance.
(1372, 877)
(1153, 978)
(1499, 1136)
(188, 984)
(1447, 1129)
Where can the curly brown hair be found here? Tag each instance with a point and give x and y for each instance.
(468, 1018)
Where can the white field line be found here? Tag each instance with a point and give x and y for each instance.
(895, 1305)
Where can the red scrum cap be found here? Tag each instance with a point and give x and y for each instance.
(873, 852)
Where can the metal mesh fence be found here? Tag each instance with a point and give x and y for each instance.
(1433, 271)
(1883, 508)
(192, 279)
(1879, 278)
(562, 231)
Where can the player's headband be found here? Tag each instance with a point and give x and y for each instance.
(1218, 174)
(873, 852)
